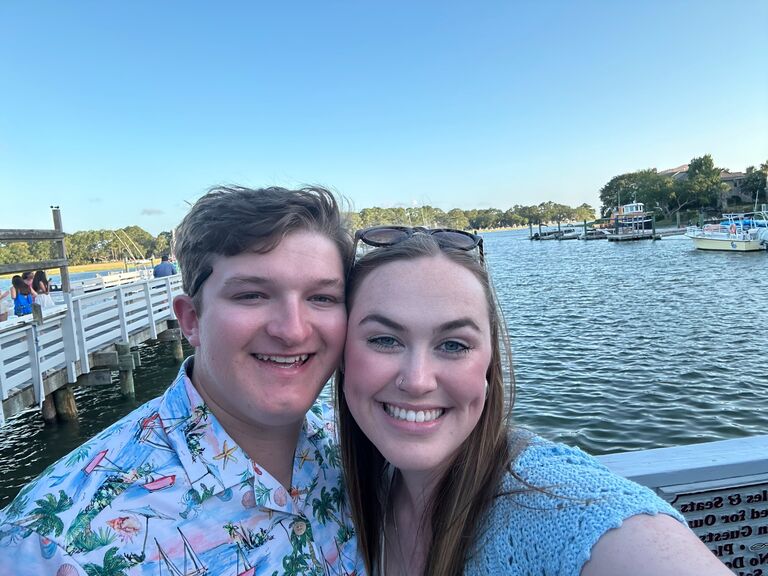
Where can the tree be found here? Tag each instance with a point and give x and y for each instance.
(457, 219)
(584, 212)
(645, 186)
(529, 214)
(162, 244)
(702, 186)
(754, 183)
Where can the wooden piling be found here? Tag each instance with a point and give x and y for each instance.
(173, 335)
(126, 366)
(64, 399)
(49, 409)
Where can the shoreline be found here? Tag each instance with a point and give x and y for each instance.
(97, 267)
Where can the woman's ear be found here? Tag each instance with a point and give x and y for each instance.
(189, 321)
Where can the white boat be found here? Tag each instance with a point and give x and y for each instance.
(736, 232)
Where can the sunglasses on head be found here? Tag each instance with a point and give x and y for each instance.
(379, 236)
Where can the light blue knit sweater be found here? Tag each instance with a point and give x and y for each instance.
(532, 533)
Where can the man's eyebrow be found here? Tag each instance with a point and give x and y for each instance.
(332, 282)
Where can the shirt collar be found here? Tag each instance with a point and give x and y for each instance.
(212, 461)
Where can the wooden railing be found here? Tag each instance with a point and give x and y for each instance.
(32, 350)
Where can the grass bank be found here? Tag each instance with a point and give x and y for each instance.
(116, 266)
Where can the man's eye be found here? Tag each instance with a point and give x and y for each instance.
(325, 299)
(249, 296)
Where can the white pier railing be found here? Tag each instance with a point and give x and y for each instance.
(720, 487)
(31, 351)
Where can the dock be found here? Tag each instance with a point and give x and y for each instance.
(84, 338)
(78, 342)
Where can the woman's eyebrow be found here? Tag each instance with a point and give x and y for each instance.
(458, 323)
(380, 319)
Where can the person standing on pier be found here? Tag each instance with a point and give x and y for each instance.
(165, 268)
(22, 294)
(235, 469)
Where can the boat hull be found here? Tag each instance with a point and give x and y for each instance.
(726, 244)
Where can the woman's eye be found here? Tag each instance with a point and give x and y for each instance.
(383, 342)
(454, 347)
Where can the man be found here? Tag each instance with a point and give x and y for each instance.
(229, 472)
(165, 268)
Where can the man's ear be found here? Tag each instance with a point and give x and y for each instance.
(189, 322)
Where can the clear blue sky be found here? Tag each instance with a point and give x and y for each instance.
(121, 112)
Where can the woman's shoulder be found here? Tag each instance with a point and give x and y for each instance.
(553, 504)
(537, 459)
(551, 471)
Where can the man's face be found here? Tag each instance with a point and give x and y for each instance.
(270, 333)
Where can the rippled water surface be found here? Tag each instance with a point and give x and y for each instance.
(616, 347)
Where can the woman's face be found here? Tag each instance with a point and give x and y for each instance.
(417, 352)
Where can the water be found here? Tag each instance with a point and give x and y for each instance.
(618, 346)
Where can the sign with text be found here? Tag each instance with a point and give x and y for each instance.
(732, 522)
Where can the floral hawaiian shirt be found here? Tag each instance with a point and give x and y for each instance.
(166, 490)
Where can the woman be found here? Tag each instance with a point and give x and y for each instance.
(40, 282)
(22, 295)
(40, 285)
(438, 481)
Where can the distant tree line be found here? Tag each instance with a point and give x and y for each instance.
(699, 188)
(133, 242)
(92, 246)
(475, 219)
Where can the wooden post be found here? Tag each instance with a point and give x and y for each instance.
(49, 409)
(126, 365)
(64, 399)
(585, 229)
(61, 250)
(653, 226)
(178, 351)
(530, 230)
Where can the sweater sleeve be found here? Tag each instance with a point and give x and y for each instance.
(548, 523)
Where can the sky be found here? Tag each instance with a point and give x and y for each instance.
(124, 113)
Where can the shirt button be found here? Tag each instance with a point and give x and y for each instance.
(299, 527)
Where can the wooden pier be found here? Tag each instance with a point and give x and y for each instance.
(76, 343)
(84, 338)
